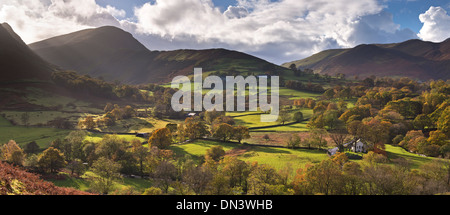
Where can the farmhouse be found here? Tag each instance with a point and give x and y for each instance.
(356, 145)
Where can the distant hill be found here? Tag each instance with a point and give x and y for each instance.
(18, 61)
(114, 54)
(413, 58)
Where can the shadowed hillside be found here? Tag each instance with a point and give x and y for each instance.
(114, 54)
(17, 61)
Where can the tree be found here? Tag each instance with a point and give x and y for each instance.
(76, 166)
(443, 122)
(240, 133)
(51, 159)
(198, 178)
(437, 138)
(160, 138)
(317, 138)
(294, 141)
(329, 94)
(298, 116)
(111, 147)
(339, 137)
(223, 131)
(422, 121)
(72, 146)
(264, 180)
(215, 153)
(31, 147)
(284, 116)
(165, 173)
(194, 128)
(140, 153)
(87, 123)
(106, 172)
(12, 153)
(324, 178)
(237, 171)
(210, 116)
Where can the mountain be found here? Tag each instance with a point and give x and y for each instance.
(26, 79)
(413, 58)
(113, 54)
(18, 61)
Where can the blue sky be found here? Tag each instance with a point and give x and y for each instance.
(278, 31)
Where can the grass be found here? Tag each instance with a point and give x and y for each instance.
(253, 119)
(281, 157)
(23, 135)
(41, 117)
(394, 152)
(82, 184)
(276, 157)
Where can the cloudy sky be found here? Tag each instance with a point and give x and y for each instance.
(278, 31)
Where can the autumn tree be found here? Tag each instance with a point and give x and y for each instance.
(264, 180)
(324, 178)
(215, 153)
(240, 133)
(51, 160)
(160, 138)
(140, 153)
(12, 153)
(198, 178)
(88, 123)
(194, 128)
(237, 171)
(223, 131)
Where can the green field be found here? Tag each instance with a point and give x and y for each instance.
(81, 183)
(281, 157)
(276, 157)
(253, 119)
(415, 160)
(23, 135)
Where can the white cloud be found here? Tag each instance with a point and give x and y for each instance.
(40, 19)
(277, 31)
(235, 12)
(436, 25)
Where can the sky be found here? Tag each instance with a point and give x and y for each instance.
(278, 31)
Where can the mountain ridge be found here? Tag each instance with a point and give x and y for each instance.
(413, 58)
(117, 55)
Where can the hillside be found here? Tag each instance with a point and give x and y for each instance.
(17, 61)
(26, 79)
(413, 58)
(114, 54)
